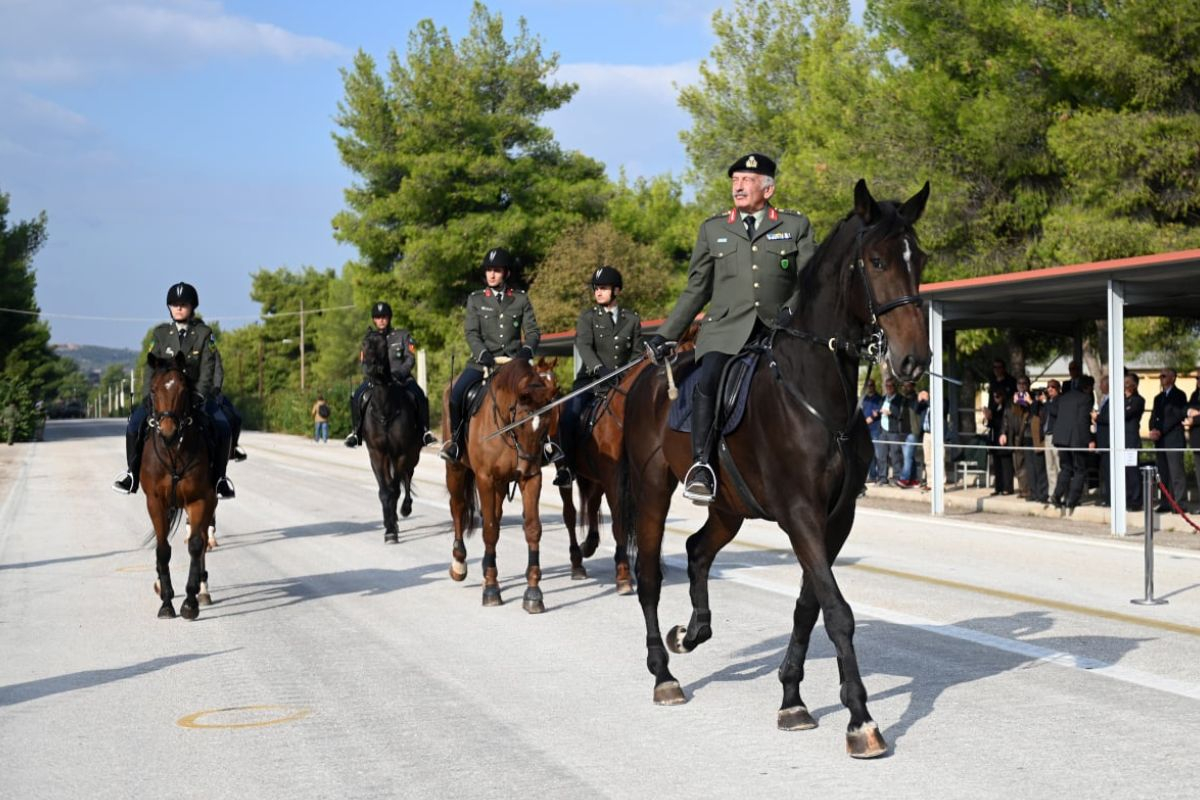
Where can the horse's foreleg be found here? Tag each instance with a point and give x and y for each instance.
(404, 475)
(578, 572)
(386, 479)
(204, 597)
(649, 521)
(793, 714)
(702, 548)
(531, 491)
(196, 542)
(491, 500)
(460, 510)
(160, 516)
(591, 505)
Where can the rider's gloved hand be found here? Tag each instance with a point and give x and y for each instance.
(656, 347)
(601, 371)
(525, 353)
(784, 318)
(486, 359)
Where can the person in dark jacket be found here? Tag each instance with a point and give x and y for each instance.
(1135, 406)
(1166, 431)
(999, 410)
(1192, 422)
(1073, 438)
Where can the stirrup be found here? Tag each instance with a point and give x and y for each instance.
(238, 454)
(694, 486)
(225, 489)
(124, 484)
(428, 439)
(450, 452)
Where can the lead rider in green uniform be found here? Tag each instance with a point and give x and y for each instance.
(746, 262)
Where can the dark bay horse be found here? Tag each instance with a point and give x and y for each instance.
(598, 457)
(176, 479)
(801, 450)
(392, 433)
(490, 465)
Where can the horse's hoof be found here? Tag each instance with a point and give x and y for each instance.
(391, 537)
(866, 742)
(212, 538)
(406, 509)
(590, 544)
(491, 596)
(204, 599)
(626, 587)
(675, 638)
(167, 611)
(578, 574)
(532, 602)
(669, 693)
(458, 570)
(795, 718)
(189, 609)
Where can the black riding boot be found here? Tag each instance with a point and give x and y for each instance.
(554, 454)
(452, 449)
(427, 437)
(700, 483)
(220, 462)
(358, 401)
(128, 483)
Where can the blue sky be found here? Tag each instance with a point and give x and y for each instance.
(191, 139)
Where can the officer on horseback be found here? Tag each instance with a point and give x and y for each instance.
(186, 334)
(607, 337)
(401, 349)
(499, 322)
(746, 262)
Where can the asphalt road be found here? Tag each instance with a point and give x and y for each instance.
(1001, 662)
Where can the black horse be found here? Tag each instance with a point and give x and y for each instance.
(392, 432)
(799, 456)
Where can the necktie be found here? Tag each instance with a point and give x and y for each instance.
(750, 226)
(614, 316)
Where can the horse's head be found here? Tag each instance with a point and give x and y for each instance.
(545, 370)
(522, 389)
(375, 360)
(170, 396)
(887, 265)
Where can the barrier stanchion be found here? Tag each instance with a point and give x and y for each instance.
(1148, 479)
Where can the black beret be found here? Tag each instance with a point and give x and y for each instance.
(754, 162)
(498, 257)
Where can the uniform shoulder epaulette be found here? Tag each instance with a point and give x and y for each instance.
(724, 213)
(791, 211)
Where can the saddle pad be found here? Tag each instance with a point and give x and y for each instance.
(734, 390)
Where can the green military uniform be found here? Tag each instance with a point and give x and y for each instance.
(747, 279)
(605, 342)
(500, 323)
(198, 347)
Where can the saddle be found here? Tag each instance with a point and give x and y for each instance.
(733, 392)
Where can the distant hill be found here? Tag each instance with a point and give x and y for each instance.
(93, 359)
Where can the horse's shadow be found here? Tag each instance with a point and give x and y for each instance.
(251, 598)
(232, 540)
(912, 653)
(65, 560)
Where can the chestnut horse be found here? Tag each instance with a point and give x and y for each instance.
(490, 465)
(392, 433)
(175, 477)
(800, 454)
(598, 456)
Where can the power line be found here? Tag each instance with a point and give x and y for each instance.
(53, 315)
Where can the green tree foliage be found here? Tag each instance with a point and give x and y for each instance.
(451, 161)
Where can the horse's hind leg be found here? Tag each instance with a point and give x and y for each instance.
(621, 552)
(491, 500)
(406, 484)
(702, 548)
(204, 598)
(793, 714)
(578, 571)
(591, 507)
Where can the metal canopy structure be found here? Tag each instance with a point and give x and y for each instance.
(1060, 300)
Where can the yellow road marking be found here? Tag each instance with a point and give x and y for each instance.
(192, 720)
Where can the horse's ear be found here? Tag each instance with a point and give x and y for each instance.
(914, 206)
(864, 205)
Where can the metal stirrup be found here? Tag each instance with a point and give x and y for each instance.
(688, 479)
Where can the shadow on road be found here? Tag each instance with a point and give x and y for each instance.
(44, 687)
(251, 598)
(66, 559)
(61, 430)
(931, 663)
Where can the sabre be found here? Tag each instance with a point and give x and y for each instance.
(565, 398)
(955, 381)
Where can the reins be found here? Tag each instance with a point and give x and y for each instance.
(171, 462)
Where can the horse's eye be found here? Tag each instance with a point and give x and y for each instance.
(877, 262)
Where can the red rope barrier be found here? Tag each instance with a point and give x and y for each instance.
(1162, 487)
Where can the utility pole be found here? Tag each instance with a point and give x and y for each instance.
(301, 344)
(260, 372)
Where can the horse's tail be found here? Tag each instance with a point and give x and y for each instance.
(470, 503)
(172, 525)
(628, 505)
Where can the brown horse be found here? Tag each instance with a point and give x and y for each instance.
(598, 456)
(490, 465)
(175, 477)
(798, 458)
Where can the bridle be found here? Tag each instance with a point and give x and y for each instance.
(182, 420)
(511, 436)
(176, 462)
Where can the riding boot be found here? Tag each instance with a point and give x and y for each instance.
(452, 449)
(700, 483)
(128, 483)
(356, 416)
(220, 462)
(553, 453)
(427, 437)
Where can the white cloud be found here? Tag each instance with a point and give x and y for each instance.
(626, 115)
(76, 41)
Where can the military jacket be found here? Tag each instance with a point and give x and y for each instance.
(603, 342)
(741, 280)
(198, 347)
(401, 348)
(500, 322)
